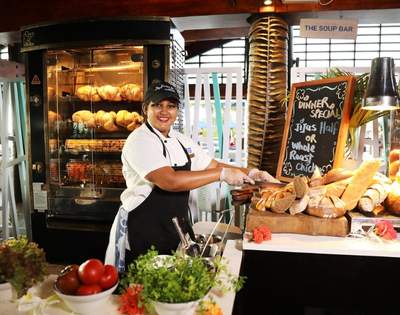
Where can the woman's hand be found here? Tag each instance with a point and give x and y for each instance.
(262, 176)
(234, 176)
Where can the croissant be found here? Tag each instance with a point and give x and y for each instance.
(109, 93)
(88, 93)
(131, 92)
(84, 116)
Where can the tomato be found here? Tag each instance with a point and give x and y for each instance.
(68, 280)
(91, 271)
(88, 289)
(109, 277)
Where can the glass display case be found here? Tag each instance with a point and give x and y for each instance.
(94, 101)
(85, 85)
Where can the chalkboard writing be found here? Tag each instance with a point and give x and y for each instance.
(316, 127)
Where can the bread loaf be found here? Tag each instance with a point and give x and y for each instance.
(327, 207)
(373, 196)
(337, 188)
(336, 175)
(362, 179)
(316, 178)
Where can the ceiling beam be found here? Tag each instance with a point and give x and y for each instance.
(215, 34)
(335, 5)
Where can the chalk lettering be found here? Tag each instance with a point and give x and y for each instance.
(294, 156)
(331, 128)
(308, 168)
(327, 113)
(304, 147)
(320, 103)
(302, 127)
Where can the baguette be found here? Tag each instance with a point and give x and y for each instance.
(362, 179)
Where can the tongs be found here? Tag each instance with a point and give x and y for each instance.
(190, 247)
(215, 227)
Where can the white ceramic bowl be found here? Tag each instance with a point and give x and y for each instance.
(86, 304)
(175, 308)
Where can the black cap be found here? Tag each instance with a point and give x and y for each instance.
(159, 91)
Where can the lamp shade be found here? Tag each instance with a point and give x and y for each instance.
(381, 93)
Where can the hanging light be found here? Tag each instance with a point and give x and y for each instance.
(381, 92)
(267, 2)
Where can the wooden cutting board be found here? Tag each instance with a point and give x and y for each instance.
(299, 223)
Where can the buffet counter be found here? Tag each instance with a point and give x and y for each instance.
(297, 243)
(303, 274)
(232, 253)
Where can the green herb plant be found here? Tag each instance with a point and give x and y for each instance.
(22, 264)
(177, 278)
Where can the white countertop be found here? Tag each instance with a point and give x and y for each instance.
(298, 243)
(232, 253)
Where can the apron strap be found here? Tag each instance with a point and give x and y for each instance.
(163, 145)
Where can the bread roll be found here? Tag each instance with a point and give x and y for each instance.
(394, 155)
(392, 202)
(394, 167)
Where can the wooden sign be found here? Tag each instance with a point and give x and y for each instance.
(316, 127)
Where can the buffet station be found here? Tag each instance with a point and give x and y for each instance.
(326, 236)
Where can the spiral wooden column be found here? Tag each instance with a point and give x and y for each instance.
(268, 39)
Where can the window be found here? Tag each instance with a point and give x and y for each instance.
(373, 40)
(4, 53)
(231, 54)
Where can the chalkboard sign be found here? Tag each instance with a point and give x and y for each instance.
(316, 127)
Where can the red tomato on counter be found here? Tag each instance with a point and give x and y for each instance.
(109, 277)
(88, 289)
(91, 271)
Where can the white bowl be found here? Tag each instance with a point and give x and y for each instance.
(175, 308)
(86, 304)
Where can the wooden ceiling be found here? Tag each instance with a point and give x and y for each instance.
(15, 14)
(199, 20)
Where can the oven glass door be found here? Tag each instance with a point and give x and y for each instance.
(94, 101)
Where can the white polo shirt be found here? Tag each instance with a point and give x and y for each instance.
(143, 153)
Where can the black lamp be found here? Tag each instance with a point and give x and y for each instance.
(381, 93)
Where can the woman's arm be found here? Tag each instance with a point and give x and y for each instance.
(216, 164)
(168, 179)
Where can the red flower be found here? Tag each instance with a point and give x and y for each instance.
(130, 301)
(261, 233)
(385, 230)
(257, 236)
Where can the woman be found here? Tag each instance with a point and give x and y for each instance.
(160, 167)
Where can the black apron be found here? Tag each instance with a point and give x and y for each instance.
(150, 224)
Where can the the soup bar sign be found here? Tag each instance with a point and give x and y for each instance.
(324, 28)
